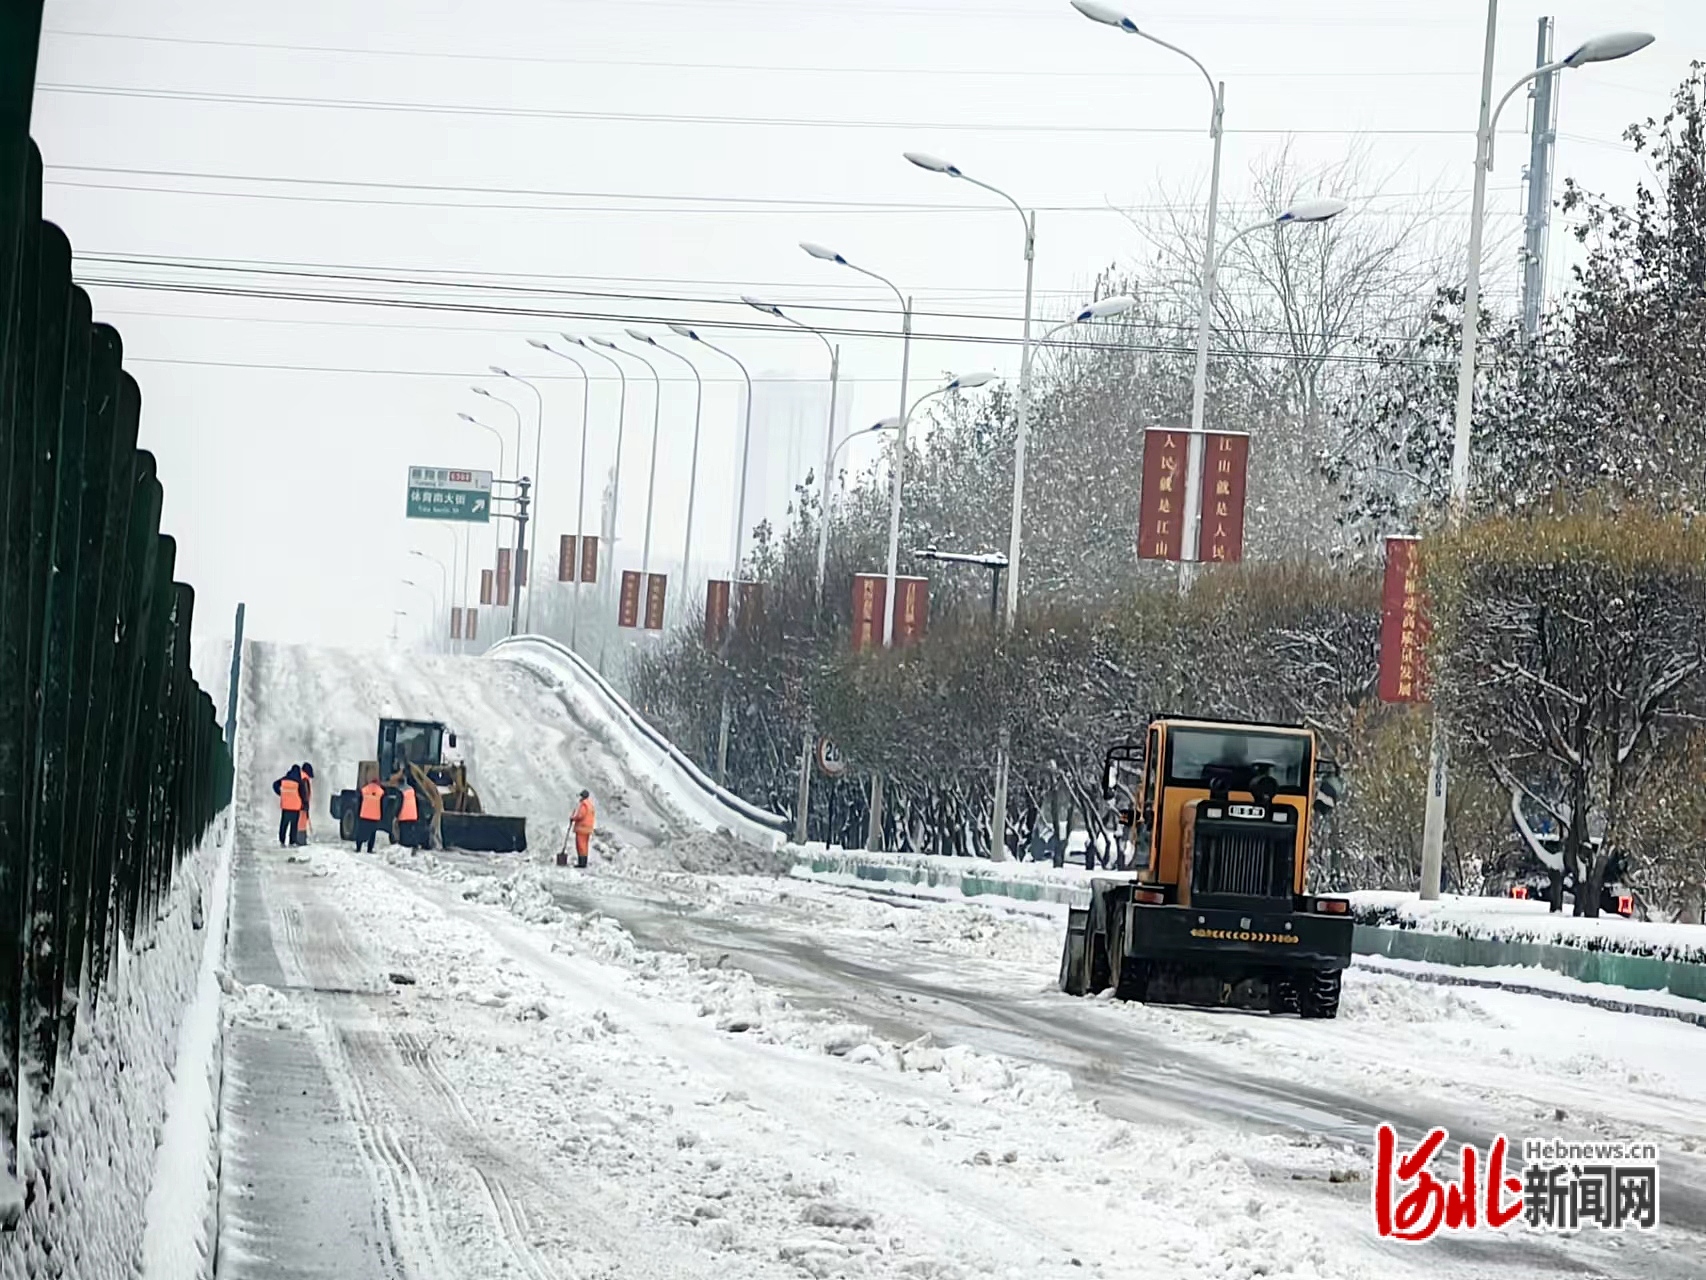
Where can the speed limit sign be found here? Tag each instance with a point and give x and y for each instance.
(830, 761)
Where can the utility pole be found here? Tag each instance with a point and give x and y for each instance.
(520, 552)
(1544, 95)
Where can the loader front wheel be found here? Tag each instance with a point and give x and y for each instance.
(1318, 994)
(346, 823)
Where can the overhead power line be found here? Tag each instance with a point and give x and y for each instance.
(679, 118)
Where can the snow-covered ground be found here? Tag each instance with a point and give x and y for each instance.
(1528, 920)
(656, 1069)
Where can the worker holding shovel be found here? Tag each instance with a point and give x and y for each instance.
(581, 827)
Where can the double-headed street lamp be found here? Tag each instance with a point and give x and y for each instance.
(1607, 48)
(444, 576)
(1110, 16)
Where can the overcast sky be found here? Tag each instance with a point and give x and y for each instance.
(637, 161)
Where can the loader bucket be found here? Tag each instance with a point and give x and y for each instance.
(484, 833)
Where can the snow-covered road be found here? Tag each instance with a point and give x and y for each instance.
(649, 1070)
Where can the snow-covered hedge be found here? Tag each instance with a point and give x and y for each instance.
(1525, 920)
(103, 1133)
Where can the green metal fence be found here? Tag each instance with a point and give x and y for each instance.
(112, 762)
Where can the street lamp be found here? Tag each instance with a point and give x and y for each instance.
(935, 164)
(1106, 14)
(427, 591)
(692, 465)
(538, 435)
(593, 346)
(443, 573)
(823, 254)
(470, 418)
(1607, 48)
(692, 335)
(829, 446)
(580, 507)
(497, 529)
(652, 466)
(516, 532)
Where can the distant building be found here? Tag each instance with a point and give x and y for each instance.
(787, 443)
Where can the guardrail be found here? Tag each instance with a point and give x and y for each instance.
(949, 878)
(521, 648)
(112, 764)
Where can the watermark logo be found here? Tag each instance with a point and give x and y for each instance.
(1562, 1186)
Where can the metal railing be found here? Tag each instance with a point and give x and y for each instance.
(112, 761)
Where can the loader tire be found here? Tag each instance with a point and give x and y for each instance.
(1318, 994)
(1282, 995)
(1074, 964)
(346, 823)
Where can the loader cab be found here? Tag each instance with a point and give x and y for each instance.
(420, 742)
(1220, 811)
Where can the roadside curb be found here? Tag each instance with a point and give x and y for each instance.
(1551, 993)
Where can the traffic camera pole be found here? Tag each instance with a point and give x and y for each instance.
(520, 552)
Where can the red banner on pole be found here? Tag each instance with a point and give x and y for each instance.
(589, 558)
(657, 590)
(486, 586)
(1225, 476)
(716, 612)
(869, 591)
(1403, 627)
(750, 601)
(912, 610)
(503, 577)
(455, 623)
(473, 618)
(628, 601)
(1160, 530)
(566, 558)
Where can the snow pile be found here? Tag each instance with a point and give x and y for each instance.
(258, 1005)
(1527, 920)
(700, 853)
(645, 753)
(116, 1103)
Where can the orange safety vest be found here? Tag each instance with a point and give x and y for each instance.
(584, 818)
(372, 795)
(289, 796)
(408, 812)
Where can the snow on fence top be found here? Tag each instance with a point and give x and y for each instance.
(654, 756)
(1525, 920)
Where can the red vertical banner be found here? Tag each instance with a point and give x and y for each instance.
(486, 586)
(473, 619)
(525, 557)
(869, 592)
(657, 590)
(1225, 474)
(1161, 510)
(1403, 627)
(455, 623)
(566, 558)
(716, 612)
(589, 558)
(628, 600)
(912, 610)
(503, 577)
(750, 604)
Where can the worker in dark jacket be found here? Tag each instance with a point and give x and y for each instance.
(290, 793)
(305, 818)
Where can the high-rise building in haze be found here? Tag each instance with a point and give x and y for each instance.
(787, 443)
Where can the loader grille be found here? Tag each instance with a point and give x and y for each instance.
(1242, 860)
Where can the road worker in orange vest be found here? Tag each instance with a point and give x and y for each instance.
(585, 819)
(289, 791)
(408, 814)
(367, 817)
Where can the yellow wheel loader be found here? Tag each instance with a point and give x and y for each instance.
(411, 753)
(1217, 814)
